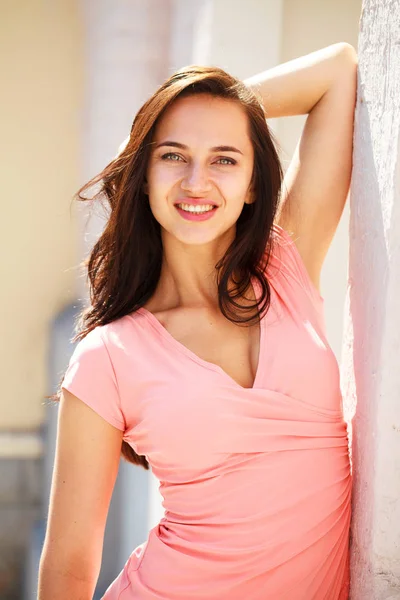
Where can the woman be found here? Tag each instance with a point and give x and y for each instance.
(204, 353)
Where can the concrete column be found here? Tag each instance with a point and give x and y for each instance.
(190, 33)
(126, 58)
(245, 41)
(370, 368)
(127, 47)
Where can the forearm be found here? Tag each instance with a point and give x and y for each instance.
(296, 86)
(59, 584)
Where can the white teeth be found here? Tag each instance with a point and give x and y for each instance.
(196, 209)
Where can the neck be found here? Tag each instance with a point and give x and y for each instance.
(188, 274)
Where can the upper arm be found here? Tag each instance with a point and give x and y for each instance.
(317, 181)
(85, 469)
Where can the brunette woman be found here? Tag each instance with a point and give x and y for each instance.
(203, 353)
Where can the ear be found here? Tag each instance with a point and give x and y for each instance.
(146, 187)
(250, 195)
(250, 198)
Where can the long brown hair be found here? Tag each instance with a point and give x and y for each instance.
(124, 265)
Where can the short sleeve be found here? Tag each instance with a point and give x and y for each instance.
(293, 263)
(90, 376)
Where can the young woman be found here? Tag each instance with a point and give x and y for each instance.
(203, 352)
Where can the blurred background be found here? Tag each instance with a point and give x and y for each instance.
(75, 72)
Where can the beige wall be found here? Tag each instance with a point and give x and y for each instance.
(40, 54)
(307, 26)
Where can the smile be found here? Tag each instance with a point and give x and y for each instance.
(197, 212)
(196, 208)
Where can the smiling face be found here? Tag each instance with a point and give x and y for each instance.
(201, 156)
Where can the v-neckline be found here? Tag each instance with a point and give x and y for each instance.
(205, 363)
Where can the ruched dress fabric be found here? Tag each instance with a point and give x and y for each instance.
(256, 482)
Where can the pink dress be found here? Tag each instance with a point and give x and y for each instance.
(256, 482)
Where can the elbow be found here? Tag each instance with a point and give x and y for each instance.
(347, 72)
(348, 52)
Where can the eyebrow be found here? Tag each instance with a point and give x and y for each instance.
(184, 147)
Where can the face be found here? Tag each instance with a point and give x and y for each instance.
(202, 156)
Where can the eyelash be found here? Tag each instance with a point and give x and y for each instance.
(169, 154)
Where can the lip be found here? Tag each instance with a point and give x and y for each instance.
(195, 201)
(191, 216)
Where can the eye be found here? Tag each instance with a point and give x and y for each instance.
(176, 158)
(169, 155)
(230, 160)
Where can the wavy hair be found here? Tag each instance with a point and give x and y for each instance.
(124, 265)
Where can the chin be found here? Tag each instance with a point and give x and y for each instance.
(193, 237)
(197, 239)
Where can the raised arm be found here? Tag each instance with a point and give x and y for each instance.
(85, 469)
(323, 85)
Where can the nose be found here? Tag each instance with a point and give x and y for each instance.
(196, 180)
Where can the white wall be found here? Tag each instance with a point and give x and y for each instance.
(371, 352)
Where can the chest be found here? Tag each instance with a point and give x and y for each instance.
(214, 339)
(189, 386)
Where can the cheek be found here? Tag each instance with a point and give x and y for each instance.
(161, 175)
(234, 189)
(159, 185)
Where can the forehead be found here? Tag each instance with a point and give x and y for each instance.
(204, 120)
